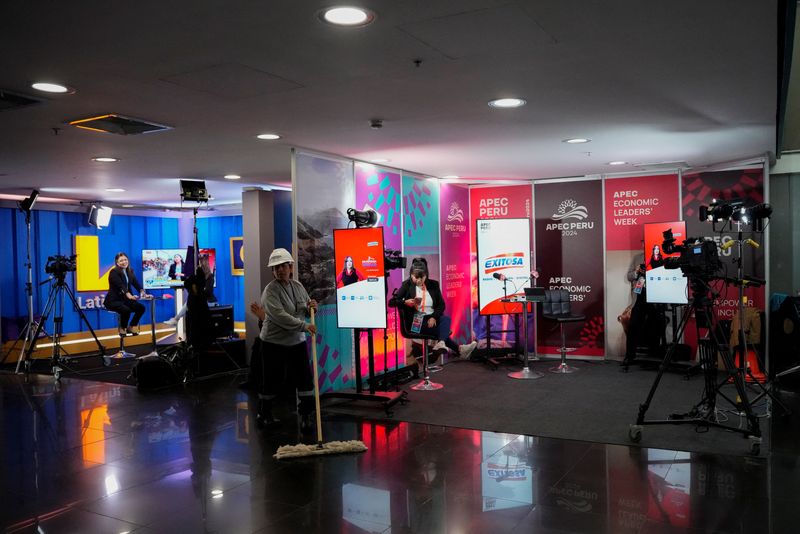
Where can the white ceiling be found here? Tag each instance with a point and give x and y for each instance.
(648, 82)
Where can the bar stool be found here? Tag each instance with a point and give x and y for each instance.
(407, 317)
(556, 307)
(121, 354)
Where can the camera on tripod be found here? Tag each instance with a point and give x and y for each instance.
(392, 259)
(59, 265)
(698, 256)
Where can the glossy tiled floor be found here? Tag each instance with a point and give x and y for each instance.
(95, 457)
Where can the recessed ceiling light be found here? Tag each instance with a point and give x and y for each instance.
(617, 162)
(232, 177)
(105, 159)
(49, 87)
(268, 136)
(115, 190)
(347, 16)
(507, 103)
(576, 140)
(450, 177)
(380, 160)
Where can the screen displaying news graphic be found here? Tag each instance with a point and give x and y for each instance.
(664, 286)
(360, 278)
(504, 263)
(164, 268)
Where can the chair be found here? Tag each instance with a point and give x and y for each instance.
(121, 354)
(406, 319)
(556, 307)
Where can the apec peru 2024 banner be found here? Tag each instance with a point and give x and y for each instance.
(569, 253)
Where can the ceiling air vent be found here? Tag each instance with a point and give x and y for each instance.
(118, 124)
(9, 100)
(662, 166)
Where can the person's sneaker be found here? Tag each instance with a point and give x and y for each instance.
(464, 351)
(171, 322)
(440, 346)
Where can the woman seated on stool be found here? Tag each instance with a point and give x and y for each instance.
(120, 299)
(424, 296)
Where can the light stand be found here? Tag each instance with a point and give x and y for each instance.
(742, 349)
(29, 326)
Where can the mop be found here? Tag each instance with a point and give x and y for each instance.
(334, 447)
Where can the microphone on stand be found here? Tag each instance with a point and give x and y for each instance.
(499, 276)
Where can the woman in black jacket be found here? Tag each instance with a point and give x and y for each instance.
(425, 296)
(120, 299)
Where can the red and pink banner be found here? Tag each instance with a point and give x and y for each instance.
(455, 240)
(633, 201)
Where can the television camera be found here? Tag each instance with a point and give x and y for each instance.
(59, 265)
(392, 259)
(698, 256)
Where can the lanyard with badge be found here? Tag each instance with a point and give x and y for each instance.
(416, 324)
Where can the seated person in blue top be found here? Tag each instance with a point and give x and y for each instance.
(120, 297)
(349, 274)
(425, 296)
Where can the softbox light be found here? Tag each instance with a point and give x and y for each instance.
(99, 216)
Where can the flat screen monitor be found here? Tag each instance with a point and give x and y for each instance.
(664, 286)
(504, 263)
(164, 268)
(360, 278)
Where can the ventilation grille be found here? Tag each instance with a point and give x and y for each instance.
(118, 124)
(9, 100)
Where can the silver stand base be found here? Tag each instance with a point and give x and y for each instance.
(526, 374)
(426, 385)
(434, 368)
(563, 369)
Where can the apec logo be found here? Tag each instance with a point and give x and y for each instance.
(456, 213)
(569, 209)
(503, 261)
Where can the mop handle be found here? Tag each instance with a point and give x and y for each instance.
(316, 380)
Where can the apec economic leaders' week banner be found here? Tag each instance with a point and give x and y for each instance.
(504, 263)
(360, 289)
(635, 200)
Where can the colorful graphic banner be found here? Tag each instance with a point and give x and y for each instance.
(324, 190)
(421, 221)
(379, 189)
(633, 201)
(360, 291)
(569, 251)
(455, 239)
(664, 286)
(701, 189)
(504, 263)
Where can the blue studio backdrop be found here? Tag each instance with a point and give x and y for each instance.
(53, 232)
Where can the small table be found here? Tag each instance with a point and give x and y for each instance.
(153, 299)
(525, 373)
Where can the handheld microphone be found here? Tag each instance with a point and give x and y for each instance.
(727, 245)
(499, 276)
(752, 243)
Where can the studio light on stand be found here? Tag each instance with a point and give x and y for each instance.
(25, 206)
(99, 216)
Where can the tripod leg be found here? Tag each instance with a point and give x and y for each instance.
(26, 357)
(85, 320)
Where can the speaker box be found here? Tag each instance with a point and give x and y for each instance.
(785, 341)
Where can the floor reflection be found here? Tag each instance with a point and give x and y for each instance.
(92, 457)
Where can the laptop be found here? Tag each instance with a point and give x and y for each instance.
(534, 294)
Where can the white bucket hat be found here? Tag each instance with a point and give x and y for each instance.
(279, 256)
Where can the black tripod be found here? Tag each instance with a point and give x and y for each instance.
(58, 287)
(703, 413)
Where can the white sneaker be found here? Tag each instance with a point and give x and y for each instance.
(464, 351)
(440, 346)
(171, 322)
